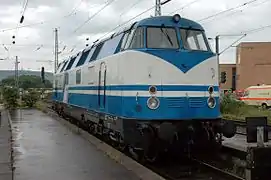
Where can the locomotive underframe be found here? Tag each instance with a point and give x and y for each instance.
(148, 139)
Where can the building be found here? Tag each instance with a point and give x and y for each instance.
(230, 71)
(253, 64)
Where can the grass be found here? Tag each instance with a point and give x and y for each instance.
(236, 110)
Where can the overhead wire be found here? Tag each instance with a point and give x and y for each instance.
(238, 11)
(95, 14)
(126, 22)
(72, 13)
(183, 7)
(143, 12)
(256, 29)
(227, 10)
(129, 20)
(132, 6)
(88, 20)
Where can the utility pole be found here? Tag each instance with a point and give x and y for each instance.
(217, 47)
(16, 74)
(56, 49)
(217, 57)
(157, 7)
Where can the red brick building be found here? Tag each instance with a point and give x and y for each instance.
(253, 64)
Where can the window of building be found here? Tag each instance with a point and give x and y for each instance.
(162, 38)
(193, 40)
(138, 39)
(78, 76)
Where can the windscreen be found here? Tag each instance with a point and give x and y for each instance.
(162, 37)
(193, 40)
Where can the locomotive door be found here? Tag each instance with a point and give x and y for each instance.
(102, 86)
(66, 93)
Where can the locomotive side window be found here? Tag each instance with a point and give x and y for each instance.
(193, 40)
(78, 76)
(129, 39)
(138, 38)
(56, 82)
(109, 47)
(64, 66)
(124, 40)
(89, 58)
(70, 63)
(60, 67)
(83, 58)
(97, 51)
(66, 79)
(91, 75)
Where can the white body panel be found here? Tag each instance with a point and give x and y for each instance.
(139, 68)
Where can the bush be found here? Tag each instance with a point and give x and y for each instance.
(230, 105)
(31, 98)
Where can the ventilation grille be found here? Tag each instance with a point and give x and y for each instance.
(175, 102)
(197, 102)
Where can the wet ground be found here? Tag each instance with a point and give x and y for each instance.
(47, 150)
(5, 147)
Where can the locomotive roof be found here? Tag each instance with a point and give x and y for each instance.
(155, 21)
(168, 21)
(151, 21)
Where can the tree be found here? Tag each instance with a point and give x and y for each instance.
(10, 96)
(27, 81)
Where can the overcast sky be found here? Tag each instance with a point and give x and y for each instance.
(35, 43)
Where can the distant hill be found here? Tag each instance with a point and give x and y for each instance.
(6, 73)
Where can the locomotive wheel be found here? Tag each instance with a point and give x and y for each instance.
(151, 148)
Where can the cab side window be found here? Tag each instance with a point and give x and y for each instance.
(124, 40)
(138, 39)
(129, 39)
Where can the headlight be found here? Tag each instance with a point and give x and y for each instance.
(152, 89)
(211, 90)
(176, 18)
(211, 102)
(153, 103)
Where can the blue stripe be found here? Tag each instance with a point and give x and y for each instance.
(176, 108)
(146, 88)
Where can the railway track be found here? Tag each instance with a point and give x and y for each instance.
(184, 168)
(193, 169)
